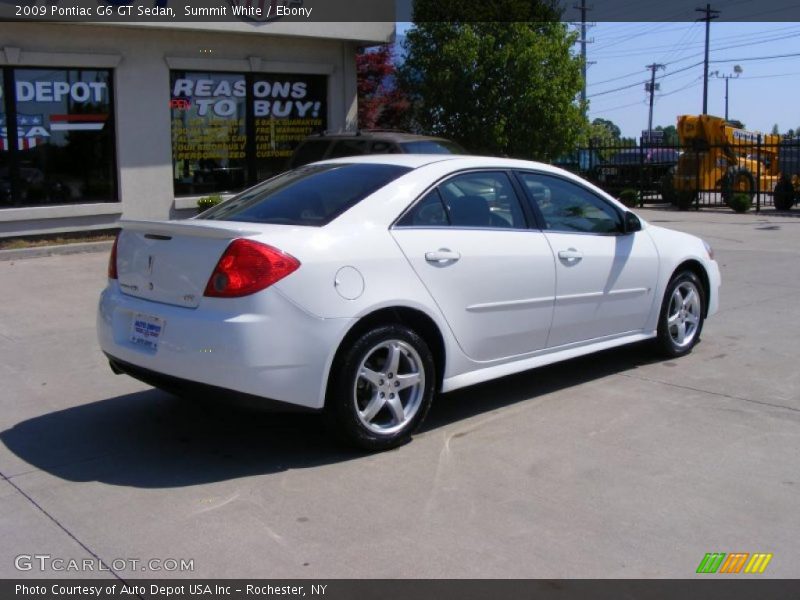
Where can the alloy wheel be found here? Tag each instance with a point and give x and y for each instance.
(389, 387)
(683, 316)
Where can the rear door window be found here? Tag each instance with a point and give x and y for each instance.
(484, 200)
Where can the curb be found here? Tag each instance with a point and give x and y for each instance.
(57, 250)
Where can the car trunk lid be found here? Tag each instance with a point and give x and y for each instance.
(171, 262)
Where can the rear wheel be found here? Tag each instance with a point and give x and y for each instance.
(784, 194)
(681, 318)
(381, 388)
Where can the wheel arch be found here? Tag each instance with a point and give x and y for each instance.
(696, 267)
(413, 318)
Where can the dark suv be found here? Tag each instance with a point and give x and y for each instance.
(336, 145)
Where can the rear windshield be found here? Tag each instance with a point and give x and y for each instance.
(432, 147)
(313, 195)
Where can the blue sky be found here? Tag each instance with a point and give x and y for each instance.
(766, 92)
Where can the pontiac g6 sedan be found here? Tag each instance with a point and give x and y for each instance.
(364, 286)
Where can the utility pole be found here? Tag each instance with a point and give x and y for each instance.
(652, 87)
(710, 14)
(583, 41)
(737, 70)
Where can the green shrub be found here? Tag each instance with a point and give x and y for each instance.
(629, 197)
(740, 202)
(207, 202)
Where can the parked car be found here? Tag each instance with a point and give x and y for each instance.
(639, 168)
(337, 145)
(579, 161)
(364, 286)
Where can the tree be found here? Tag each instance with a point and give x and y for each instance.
(496, 88)
(670, 135)
(381, 104)
(775, 130)
(604, 130)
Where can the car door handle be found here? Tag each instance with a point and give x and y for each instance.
(442, 255)
(571, 255)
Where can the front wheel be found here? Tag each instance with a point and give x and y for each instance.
(681, 318)
(381, 388)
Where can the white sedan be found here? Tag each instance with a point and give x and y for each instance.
(364, 286)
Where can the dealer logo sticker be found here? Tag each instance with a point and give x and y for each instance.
(733, 563)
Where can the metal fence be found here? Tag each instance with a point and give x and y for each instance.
(696, 175)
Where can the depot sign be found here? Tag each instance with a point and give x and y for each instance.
(57, 91)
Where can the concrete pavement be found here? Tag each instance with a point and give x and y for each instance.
(615, 465)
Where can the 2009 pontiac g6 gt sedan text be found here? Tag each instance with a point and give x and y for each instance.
(364, 286)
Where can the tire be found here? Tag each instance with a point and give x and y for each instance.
(784, 194)
(685, 199)
(374, 404)
(668, 192)
(738, 181)
(680, 321)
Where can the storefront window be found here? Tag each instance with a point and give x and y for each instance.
(231, 130)
(208, 132)
(5, 175)
(63, 150)
(287, 108)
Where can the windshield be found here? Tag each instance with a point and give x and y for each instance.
(313, 195)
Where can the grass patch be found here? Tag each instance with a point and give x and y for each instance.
(38, 241)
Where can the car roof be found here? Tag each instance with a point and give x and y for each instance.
(456, 161)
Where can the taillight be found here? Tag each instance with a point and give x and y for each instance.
(247, 267)
(112, 260)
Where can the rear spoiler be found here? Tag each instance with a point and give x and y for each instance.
(204, 229)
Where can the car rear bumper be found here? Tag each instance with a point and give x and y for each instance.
(261, 345)
(195, 390)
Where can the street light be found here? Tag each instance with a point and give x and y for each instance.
(737, 70)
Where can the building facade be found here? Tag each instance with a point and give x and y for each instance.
(104, 121)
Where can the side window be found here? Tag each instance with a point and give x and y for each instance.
(567, 206)
(348, 148)
(428, 212)
(482, 199)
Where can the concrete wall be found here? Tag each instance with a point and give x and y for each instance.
(141, 59)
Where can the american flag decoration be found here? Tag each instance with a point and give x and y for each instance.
(85, 122)
(27, 143)
(29, 120)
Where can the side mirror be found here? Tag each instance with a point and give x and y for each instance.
(632, 223)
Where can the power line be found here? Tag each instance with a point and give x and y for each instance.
(638, 83)
(775, 56)
(744, 44)
(679, 59)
